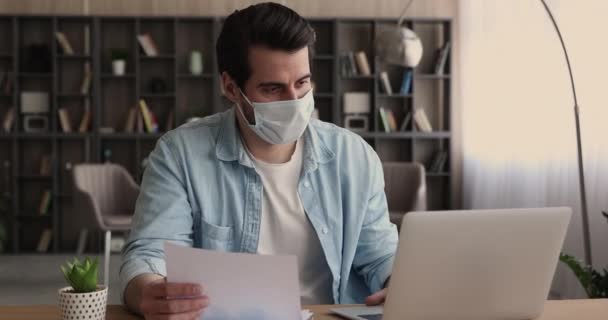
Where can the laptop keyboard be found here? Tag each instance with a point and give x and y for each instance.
(371, 316)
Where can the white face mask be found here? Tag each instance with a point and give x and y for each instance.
(281, 122)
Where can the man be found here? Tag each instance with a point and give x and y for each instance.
(264, 178)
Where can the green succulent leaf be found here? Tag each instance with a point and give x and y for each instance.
(81, 276)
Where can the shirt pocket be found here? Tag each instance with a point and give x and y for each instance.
(214, 237)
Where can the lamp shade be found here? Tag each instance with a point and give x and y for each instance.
(400, 46)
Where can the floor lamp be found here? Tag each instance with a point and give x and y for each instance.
(581, 171)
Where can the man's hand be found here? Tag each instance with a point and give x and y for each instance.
(376, 298)
(162, 300)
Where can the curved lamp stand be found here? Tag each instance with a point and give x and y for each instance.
(581, 172)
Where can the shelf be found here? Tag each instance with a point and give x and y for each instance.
(158, 57)
(73, 135)
(195, 76)
(73, 56)
(438, 174)
(33, 177)
(405, 135)
(33, 216)
(127, 76)
(323, 95)
(35, 75)
(34, 135)
(397, 96)
(359, 77)
(5, 96)
(129, 136)
(430, 76)
(169, 95)
(323, 57)
(6, 56)
(72, 95)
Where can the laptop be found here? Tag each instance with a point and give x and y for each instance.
(472, 264)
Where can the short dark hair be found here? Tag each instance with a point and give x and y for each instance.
(265, 24)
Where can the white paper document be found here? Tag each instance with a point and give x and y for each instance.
(239, 285)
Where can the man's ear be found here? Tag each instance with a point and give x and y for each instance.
(229, 88)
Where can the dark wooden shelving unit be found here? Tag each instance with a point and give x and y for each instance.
(186, 95)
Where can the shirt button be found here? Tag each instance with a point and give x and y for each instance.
(324, 230)
(307, 184)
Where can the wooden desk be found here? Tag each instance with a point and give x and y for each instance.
(554, 310)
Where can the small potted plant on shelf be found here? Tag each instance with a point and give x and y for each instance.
(119, 61)
(84, 298)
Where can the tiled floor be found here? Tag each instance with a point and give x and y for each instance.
(35, 279)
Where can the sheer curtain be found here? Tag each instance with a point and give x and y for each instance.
(519, 143)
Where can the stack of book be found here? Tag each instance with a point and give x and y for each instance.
(354, 64)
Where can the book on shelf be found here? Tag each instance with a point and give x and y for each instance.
(85, 121)
(85, 86)
(139, 122)
(362, 63)
(45, 203)
(384, 120)
(352, 64)
(9, 120)
(87, 39)
(169, 123)
(130, 122)
(406, 83)
(45, 240)
(442, 58)
(150, 123)
(64, 43)
(45, 165)
(148, 45)
(386, 83)
(438, 162)
(6, 85)
(406, 121)
(64, 120)
(392, 120)
(422, 121)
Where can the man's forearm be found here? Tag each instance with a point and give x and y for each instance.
(133, 292)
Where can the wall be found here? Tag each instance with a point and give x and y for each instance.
(309, 8)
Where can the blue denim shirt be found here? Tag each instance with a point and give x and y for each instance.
(200, 189)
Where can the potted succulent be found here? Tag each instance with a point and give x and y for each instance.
(84, 298)
(119, 61)
(594, 282)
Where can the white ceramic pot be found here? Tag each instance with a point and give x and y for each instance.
(118, 67)
(83, 306)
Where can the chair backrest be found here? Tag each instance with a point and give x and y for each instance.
(110, 187)
(405, 186)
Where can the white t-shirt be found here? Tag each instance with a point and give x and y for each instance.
(286, 230)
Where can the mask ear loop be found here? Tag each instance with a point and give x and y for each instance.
(239, 107)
